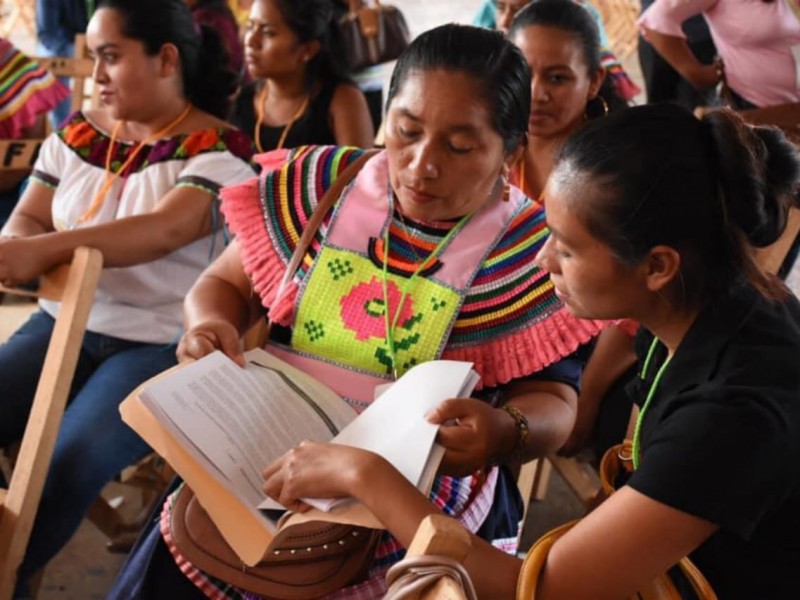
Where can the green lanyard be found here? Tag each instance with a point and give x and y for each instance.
(637, 433)
(391, 323)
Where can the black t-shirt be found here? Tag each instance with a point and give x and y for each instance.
(721, 441)
(312, 127)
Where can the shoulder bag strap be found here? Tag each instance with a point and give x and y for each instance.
(328, 198)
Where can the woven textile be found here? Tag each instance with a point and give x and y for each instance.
(26, 91)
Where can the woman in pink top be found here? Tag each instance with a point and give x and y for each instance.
(757, 40)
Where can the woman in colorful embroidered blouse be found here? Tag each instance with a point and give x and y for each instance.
(431, 221)
(137, 179)
(27, 93)
(300, 94)
(653, 216)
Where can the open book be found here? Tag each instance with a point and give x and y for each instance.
(219, 425)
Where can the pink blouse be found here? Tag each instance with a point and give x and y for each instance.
(758, 41)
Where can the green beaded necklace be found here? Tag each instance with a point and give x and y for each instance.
(637, 433)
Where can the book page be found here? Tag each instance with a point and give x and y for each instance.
(205, 417)
(395, 425)
(240, 420)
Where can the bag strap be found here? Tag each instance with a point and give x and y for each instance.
(415, 574)
(328, 198)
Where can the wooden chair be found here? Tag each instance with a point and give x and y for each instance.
(19, 154)
(78, 68)
(74, 286)
(437, 536)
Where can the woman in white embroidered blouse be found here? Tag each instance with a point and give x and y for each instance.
(137, 179)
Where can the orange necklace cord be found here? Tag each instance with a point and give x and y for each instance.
(110, 177)
(262, 99)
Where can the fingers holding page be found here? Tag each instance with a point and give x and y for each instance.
(209, 336)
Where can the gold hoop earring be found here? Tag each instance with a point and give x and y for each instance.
(603, 103)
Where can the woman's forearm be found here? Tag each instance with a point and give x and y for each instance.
(493, 572)
(129, 241)
(215, 298)
(20, 224)
(677, 53)
(781, 115)
(550, 409)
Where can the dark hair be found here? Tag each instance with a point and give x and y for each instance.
(316, 20)
(495, 63)
(215, 4)
(207, 81)
(571, 17)
(712, 189)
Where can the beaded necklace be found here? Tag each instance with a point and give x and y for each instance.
(391, 322)
(262, 99)
(110, 177)
(637, 433)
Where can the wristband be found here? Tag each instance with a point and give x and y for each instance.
(523, 435)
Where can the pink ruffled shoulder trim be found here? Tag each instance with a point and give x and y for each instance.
(529, 350)
(262, 263)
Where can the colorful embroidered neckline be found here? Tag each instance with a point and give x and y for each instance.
(92, 145)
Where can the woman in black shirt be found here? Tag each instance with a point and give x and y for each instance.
(654, 215)
(299, 94)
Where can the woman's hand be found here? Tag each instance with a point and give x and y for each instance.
(205, 337)
(21, 260)
(705, 77)
(315, 470)
(472, 433)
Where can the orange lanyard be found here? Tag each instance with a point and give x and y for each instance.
(112, 177)
(262, 98)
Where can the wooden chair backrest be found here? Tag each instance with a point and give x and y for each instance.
(438, 535)
(74, 286)
(19, 154)
(79, 69)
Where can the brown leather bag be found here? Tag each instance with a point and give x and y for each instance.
(372, 34)
(307, 561)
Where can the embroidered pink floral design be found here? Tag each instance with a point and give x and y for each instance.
(363, 309)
